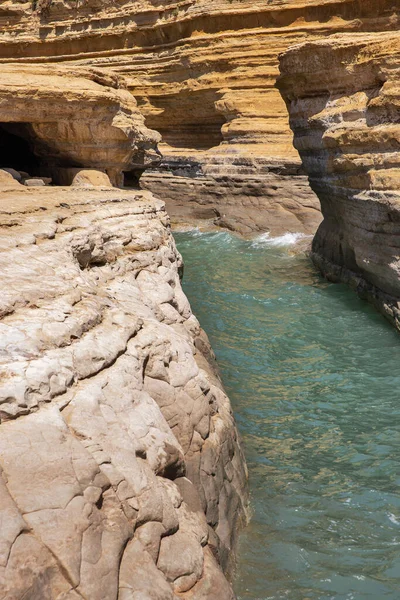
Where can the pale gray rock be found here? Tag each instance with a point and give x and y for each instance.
(34, 182)
(120, 463)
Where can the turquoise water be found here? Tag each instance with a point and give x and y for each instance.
(313, 376)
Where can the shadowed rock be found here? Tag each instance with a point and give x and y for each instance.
(343, 97)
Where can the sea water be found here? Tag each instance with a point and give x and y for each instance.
(313, 374)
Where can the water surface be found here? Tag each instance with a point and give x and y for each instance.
(313, 376)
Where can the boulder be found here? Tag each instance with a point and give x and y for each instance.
(15, 174)
(342, 95)
(7, 180)
(36, 182)
(78, 177)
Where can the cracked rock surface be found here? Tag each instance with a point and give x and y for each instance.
(121, 470)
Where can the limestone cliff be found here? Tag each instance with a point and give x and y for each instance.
(203, 73)
(343, 96)
(121, 473)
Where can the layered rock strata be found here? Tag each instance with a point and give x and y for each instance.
(121, 471)
(240, 193)
(343, 96)
(204, 76)
(73, 118)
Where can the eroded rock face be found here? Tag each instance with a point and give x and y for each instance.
(204, 74)
(343, 97)
(121, 472)
(244, 194)
(76, 118)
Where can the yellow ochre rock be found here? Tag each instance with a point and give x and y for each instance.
(343, 96)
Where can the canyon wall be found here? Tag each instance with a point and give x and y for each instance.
(121, 472)
(343, 96)
(203, 74)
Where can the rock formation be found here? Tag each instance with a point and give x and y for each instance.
(203, 74)
(73, 118)
(121, 473)
(343, 96)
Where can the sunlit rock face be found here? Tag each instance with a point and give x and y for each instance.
(203, 74)
(121, 473)
(74, 117)
(343, 96)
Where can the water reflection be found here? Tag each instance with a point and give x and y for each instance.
(312, 373)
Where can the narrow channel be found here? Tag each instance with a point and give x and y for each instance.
(313, 375)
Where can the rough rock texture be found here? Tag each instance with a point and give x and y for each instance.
(343, 96)
(121, 471)
(244, 194)
(73, 117)
(204, 73)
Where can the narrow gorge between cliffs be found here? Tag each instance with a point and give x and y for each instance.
(312, 374)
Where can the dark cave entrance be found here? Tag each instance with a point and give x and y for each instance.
(131, 179)
(16, 148)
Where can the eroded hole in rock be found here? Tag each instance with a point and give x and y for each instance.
(36, 158)
(16, 148)
(131, 179)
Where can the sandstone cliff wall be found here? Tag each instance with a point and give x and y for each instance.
(343, 96)
(203, 74)
(121, 471)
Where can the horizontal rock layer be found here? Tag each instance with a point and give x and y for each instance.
(74, 117)
(242, 194)
(121, 475)
(203, 74)
(343, 96)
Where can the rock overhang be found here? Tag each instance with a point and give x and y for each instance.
(77, 118)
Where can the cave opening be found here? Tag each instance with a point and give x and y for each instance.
(16, 148)
(132, 179)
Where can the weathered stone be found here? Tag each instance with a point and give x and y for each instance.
(91, 372)
(15, 174)
(36, 182)
(81, 177)
(76, 116)
(7, 180)
(343, 98)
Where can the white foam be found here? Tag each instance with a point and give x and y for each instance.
(393, 519)
(287, 239)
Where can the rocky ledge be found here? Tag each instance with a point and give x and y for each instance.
(343, 96)
(121, 471)
(239, 192)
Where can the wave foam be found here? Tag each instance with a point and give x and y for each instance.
(287, 239)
